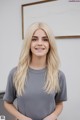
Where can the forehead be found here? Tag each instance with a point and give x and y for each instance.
(39, 32)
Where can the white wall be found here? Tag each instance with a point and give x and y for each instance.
(70, 59)
(10, 45)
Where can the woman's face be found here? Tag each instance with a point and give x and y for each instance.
(39, 43)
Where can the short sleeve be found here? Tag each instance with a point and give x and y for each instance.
(62, 95)
(10, 93)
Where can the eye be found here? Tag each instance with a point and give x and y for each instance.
(45, 39)
(34, 39)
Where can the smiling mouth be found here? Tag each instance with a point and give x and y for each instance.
(40, 48)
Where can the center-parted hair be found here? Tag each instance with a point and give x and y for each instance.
(52, 60)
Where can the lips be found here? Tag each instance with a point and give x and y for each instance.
(39, 48)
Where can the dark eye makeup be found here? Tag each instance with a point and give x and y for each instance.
(34, 38)
(45, 38)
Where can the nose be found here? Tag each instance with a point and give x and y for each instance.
(39, 42)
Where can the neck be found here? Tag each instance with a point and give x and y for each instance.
(38, 62)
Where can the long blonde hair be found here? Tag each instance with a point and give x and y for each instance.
(53, 61)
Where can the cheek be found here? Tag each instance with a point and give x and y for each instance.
(48, 46)
(32, 45)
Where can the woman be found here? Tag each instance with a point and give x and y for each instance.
(37, 82)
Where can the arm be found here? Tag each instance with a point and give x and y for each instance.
(12, 110)
(56, 113)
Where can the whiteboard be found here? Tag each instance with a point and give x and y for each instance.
(62, 17)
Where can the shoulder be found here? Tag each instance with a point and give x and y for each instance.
(11, 73)
(13, 70)
(61, 77)
(61, 73)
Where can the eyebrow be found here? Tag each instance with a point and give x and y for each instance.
(37, 37)
(34, 36)
(45, 37)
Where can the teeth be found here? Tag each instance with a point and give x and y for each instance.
(39, 48)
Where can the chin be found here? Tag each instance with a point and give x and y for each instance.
(40, 55)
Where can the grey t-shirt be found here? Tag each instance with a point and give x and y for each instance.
(35, 102)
